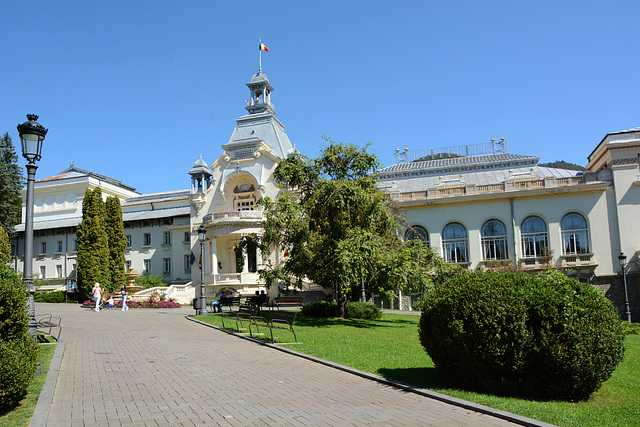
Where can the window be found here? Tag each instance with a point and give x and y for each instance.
(246, 205)
(147, 266)
(128, 236)
(494, 240)
(166, 238)
(187, 237)
(147, 239)
(417, 232)
(43, 272)
(166, 265)
(13, 250)
(455, 243)
(187, 262)
(127, 266)
(75, 245)
(59, 244)
(534, 237)
(43, 248)
(575, 238)
(58, 271)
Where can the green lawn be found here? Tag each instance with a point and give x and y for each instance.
(390, 347)
(21, 415)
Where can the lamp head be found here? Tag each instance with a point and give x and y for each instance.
(622, 259)
(202, 233)
(32, 134)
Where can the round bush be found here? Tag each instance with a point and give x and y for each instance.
(56, 296)
(320, 309)
(18, 359)
(362, 310)
(545, 336)
(13, 305)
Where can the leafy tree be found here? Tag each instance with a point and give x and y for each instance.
(437, 157)
(337, 228)
(93, 251)
(117, 241)
(10, 186)
(150, 280)
(5, 247)
(561, 164)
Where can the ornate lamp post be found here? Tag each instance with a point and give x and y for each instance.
(202, 234)
(622, 259)
(32, 134)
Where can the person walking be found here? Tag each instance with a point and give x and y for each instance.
(96, 293)
(123, 292)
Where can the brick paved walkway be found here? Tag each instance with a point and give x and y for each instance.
(155, 368)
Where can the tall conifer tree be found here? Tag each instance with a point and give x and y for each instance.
(93, 249)
(10, 186)
(117, 242)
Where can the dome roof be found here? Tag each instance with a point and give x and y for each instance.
(200, 167)
(259, 77)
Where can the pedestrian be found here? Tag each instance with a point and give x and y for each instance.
(96, 294)
(123, 292)
(110, 302)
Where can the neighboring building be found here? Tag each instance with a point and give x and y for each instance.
(500, 209)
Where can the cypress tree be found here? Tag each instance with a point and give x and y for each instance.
(93, 249)
(117, 242)
(10, 186)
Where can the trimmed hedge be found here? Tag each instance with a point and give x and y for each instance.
(544, 337)
(320, 309)
(55, 296)
(363, 310)
(18, 350)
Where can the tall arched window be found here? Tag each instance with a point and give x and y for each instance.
(535, 241)
(494, 240)
(575, 236)
(417, 232)
(455, 243)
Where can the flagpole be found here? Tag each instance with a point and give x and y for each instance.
(260, 50)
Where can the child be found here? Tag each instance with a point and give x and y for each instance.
(110, 302)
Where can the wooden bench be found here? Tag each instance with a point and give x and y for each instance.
(245, 313)
(276, 320)
(258, 300)
(48, 321)
(226, 302)
(288, 301)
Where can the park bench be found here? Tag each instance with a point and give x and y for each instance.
(48, 321)
(227, 302)
(275, 320)
(288, 301)
(245, 313)
(258, 300)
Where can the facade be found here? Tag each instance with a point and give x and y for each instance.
(486, 210)
(504, 209)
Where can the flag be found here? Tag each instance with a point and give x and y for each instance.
(263, 47)
(200, 261)
(192, 258)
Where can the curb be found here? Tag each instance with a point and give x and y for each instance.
(41, 412)
(508, 416)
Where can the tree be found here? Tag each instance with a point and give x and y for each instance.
(117, 242)
(561, 164)
(5, 248)
(338, 229)
(93, 251)
(10, 186)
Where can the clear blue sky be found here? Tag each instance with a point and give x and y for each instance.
(137, 90)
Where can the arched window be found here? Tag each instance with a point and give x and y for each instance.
(575, 236)
(417, 232)
(535, 241)
(455, 243)
(494, 240)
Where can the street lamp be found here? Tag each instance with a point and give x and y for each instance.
(622, 259)
(32, 134)
(202, 234)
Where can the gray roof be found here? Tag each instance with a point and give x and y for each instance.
(158, 197)
(155, 214)
(74, 172)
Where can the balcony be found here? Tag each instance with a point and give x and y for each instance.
(235, 218)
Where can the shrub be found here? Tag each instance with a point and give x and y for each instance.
(545, 336)
(320, 309)
(150, 280)
(362, 310)
(57, 296)
(18, 351)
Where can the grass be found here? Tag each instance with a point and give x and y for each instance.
(390, 347)
(21, 415)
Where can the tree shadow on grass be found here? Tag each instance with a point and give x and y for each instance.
(426, 377)
(321, 322)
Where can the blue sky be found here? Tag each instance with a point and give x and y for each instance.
(137, 90)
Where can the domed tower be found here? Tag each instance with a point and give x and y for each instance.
(200, 183)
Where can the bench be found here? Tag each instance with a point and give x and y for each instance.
(258, 300)
(276, 320)
(48, 321)
(226, 302)
(288, 301)
(245, 313)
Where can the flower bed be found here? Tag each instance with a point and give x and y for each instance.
(138, 304)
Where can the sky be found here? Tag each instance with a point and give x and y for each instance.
(138, 90)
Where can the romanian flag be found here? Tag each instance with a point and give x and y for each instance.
(263, 47)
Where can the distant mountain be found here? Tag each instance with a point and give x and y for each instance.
(561, 164)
